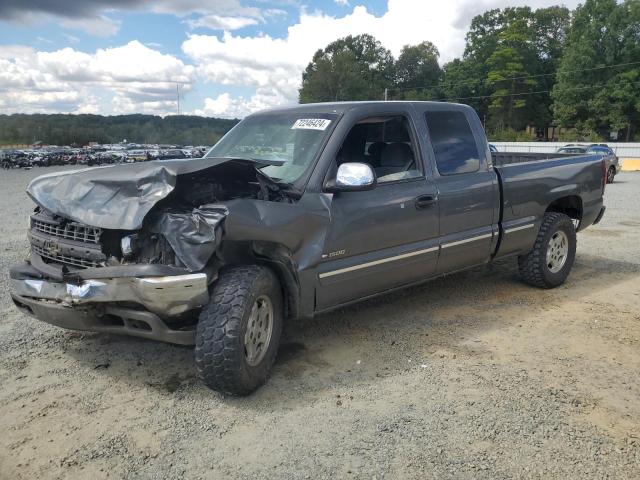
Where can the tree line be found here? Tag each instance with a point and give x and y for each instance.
(62, 129)
(520, 68)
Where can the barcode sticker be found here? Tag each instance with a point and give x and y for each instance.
(312, 123)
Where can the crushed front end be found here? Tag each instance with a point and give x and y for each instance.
(135, 249)
(76, 278)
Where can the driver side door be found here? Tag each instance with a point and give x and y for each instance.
(387, 236)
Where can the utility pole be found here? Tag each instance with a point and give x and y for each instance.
(178, 96)
(386, 91)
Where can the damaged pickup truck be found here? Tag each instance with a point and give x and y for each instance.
(294, 212)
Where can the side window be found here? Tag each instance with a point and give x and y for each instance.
(386, 144)
(453, 142)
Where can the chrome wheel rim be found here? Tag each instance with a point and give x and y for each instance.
(557, 251)
(259, 328)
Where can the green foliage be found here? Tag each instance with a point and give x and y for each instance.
(573, 135)
(501, 45)
(520, 67)
(351, 68)
(588, 95)
(81, 129)
(511, 135)
(508, 74)
(418, 73)
(463, 83)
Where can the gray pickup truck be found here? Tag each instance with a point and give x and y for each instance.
(294, 212)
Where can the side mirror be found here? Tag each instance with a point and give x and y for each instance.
(352, 177)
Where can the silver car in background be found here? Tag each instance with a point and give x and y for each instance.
(611, 160)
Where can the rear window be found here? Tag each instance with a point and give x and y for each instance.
(453, 143)
(604, 150)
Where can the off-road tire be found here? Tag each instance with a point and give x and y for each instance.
(611, 174)
(220, 352)
(533, 266)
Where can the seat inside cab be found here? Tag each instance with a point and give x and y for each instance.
(385, 144)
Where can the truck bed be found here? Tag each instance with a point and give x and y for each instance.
(531, 183)
(506, 158)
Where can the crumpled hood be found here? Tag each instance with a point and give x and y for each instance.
(116, 196)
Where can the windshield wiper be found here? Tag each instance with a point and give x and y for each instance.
(276, 183)
(276, 162)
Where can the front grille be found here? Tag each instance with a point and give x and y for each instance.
(69, 230)
(57, 240)
(65, 259)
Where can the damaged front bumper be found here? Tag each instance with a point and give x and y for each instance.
(126, 305)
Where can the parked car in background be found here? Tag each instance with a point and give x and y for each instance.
(611, 159)
(612, 162)
(582, 149)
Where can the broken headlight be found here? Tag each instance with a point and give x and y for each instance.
(128, 245)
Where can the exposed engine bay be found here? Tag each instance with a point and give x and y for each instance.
(182, 229)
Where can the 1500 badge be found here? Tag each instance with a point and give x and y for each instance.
(337, 253)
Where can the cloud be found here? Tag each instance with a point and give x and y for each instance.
(134, 77)
(343, 3)
(226, 106)
(100, 26)
(217, 22)
(91, 16)
(274, 66)
(12, 9)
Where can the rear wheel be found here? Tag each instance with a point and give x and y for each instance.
(611, 174)
(239, 330)
(549, 263)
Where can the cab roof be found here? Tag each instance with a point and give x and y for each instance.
(343, 107)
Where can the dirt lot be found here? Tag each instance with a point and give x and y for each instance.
(473, 376)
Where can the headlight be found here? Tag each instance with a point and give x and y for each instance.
(127, 245)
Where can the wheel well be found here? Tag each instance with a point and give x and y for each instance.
(271, 255)
(278, 258)
(570, 206)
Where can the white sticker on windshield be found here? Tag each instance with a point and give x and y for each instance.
(312, 123)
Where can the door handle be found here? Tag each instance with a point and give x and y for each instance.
(425, 201)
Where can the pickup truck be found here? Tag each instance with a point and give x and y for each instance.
(294, 212)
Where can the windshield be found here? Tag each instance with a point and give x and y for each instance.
(295, 139)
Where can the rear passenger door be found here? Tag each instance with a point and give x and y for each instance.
(468, 191)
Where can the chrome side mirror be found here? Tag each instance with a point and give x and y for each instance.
(352, 177)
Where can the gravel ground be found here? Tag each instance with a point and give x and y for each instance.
(472, 376)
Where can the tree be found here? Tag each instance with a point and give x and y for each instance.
(598, 85)
(509, 76)
(549, 30)
(463, 82)
(351, 68)
(59, 129)
(500, 45)
(418, 72)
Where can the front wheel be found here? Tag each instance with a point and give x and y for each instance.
(239, 330)
(611, 174)
(549, 263)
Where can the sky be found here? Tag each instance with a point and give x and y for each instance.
(221, 58)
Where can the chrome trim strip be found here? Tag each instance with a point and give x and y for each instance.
(467, 240)
(517, 229)
(377, 262)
